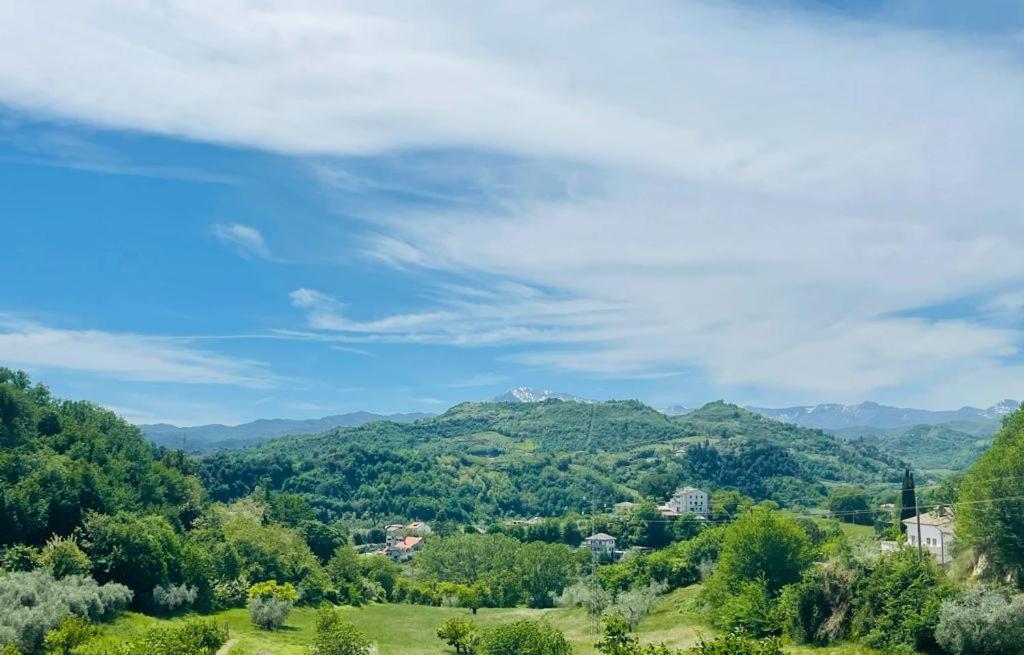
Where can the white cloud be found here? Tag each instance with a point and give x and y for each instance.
(770, 196)
(122, 356)
(246, 239)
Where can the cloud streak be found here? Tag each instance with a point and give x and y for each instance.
(247, 240)
(122, 356)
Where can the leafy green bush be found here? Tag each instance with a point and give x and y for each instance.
(981, 622)
(71, 633)
(896, 604)
(735, 644)
(459, 633)
(192, 637)
(335, 636)
(749, 609)
(19, 557)
(524, 638)
(270, 603)
(33, 602)
(816, 610)
(62, 557)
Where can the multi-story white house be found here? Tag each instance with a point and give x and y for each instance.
(601, 545)
(689, 500)
(937, 533)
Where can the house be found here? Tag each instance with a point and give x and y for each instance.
(689, 500)
(601, 545)
(623, 507)
(668, 512)
(401, 541)
(937, 533)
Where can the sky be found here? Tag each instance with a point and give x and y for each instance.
(215, 212)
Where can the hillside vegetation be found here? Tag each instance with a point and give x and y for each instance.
(521, 459)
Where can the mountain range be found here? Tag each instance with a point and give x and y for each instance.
(206, 437)
(869, 414)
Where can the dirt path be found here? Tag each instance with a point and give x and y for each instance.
(226, 648)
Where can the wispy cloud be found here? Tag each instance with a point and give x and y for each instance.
(761, 206)
(247, 240)
(123, 356)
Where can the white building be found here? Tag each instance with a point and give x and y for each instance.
(689, 500)
(937, 533)
(601, 545)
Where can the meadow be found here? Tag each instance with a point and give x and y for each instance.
(401, 629)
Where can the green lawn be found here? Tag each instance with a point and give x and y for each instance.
(410, 629)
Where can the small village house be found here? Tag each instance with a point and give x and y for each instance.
(937, 533)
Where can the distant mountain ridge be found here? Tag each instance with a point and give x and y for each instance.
(869, 414)
(204, 437)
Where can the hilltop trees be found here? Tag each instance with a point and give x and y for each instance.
(990, 506)
(61, 460)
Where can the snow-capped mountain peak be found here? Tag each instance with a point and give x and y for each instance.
(531, 395)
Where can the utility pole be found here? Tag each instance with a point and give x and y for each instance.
(917, 511)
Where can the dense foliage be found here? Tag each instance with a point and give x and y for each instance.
(981, 622)
(482, 460)
(34, 602)
(61, 460)
(990, 508)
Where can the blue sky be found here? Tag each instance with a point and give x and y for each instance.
(219, 213)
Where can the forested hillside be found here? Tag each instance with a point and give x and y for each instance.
(62, 459)
(481, 460)
(935, 447)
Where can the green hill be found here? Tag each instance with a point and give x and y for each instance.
(931, 447)
(482, 460)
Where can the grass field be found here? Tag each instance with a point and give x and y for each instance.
(410, 629)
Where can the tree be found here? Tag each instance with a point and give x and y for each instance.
(335, 636)
(524, 638)
(460, 634)
(138, 551)
(544, 570)
(908, 499)
(322, 539)
(763, 544)
(851, 507)
(990, 507)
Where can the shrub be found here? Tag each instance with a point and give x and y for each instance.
(896, 604)
(34, 602)
(982, 622)
(817, 609)
(19, 557)
(230, 593)
(524, 638)
(193, 637)
(270, 603)
(750, 610)
(172, 598)
(735, 644)
(461, 634)
(335, 636)
(636, 603)
(71, 633)
(62, 557)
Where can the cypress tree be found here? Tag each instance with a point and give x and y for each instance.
(908, 499)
